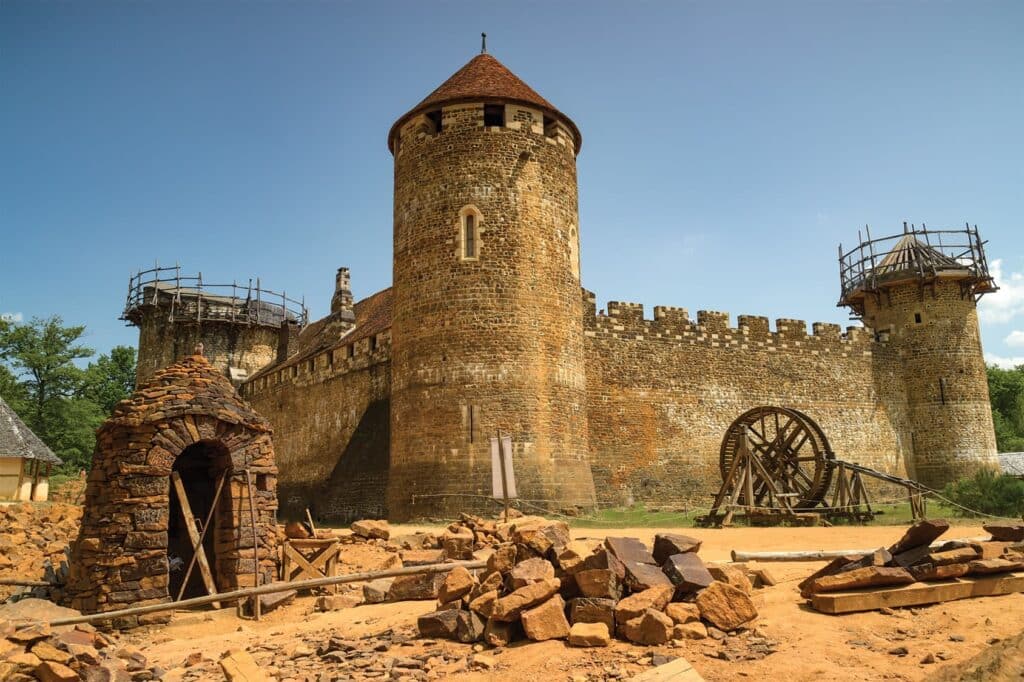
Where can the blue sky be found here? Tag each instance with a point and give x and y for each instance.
(728, 147)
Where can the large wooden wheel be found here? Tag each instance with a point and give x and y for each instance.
(791, 450)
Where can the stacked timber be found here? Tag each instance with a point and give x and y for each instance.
(540, 585)
(917, 557)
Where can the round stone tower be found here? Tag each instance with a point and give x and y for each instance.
(918, 292)
(240, 327)
(487, 332)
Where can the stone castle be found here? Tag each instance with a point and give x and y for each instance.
(386, 406)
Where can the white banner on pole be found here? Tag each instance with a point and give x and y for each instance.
(501, 462)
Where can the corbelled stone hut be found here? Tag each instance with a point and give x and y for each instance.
(183, 452)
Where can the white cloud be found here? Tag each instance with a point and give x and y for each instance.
(12, 317)
(1005, 363)
(1015, 339)
(1008, 302)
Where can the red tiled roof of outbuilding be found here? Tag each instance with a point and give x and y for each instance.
(484, 78)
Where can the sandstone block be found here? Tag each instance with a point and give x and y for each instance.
(337, 602)
(687, 572)
(457, 583)
(628, 549)
(439, 624)
(530, 571)
(682, 612)
(458, 545)
(871, 576)
(574, 555)
(640, 577)
(667, 544)
(651, 627)
(695, 630)
(52, 671)
(1005, 532)
(546, 621)
(599, 582)
(239, 666)
(376, 591)
(484, 604)
(502, 633)
(921, 533)
(952, 556)
(928, 572)
(732, 576)
(47, 652)
(634, 605)
(411, 587)
(989, 566)
(502, 559)
(725, 607)
(589, 634)
(511, 606)
(593, 610)
(469, 627)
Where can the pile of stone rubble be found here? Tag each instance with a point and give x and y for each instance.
(32, 650)
(540, 585)
(33, 541)
(914, 559)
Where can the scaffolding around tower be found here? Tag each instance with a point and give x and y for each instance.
(917, 255)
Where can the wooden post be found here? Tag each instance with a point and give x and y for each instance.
(193, 533)
(202, 536)
(309, 518)
(255, 546)
(504, 479)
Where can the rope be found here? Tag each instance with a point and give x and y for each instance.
(975, 512)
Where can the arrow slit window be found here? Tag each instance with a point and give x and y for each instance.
(469, 233)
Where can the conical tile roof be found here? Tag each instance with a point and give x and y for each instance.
(484, 78)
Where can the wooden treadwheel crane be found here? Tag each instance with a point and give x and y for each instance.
(778, 467)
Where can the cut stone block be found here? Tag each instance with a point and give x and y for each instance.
(530, 571)
(589, 634)
(682, 612)
(921, 533)
(871, 576)
(546, 621)
(640, 577)
(929, 572)
(687, 572)
(732, 576)
(511, 606)
(634, 605)
(1006, 532)
(989, 566)
(667, 544)
(456, 584)
(372, 528)
(412, 587)
(599, 582)
(593, 610)
(439, 624)
(651, 627)
(725, 607)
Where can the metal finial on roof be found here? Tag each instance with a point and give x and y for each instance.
(483, 43)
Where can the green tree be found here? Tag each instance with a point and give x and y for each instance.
(1006, 391)
(111, 378)
(41, 355)
(12, 391)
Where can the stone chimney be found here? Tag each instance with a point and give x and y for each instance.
(341, 302)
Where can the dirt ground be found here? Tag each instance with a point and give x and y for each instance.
(810, 645)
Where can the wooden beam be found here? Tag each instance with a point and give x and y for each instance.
(269, 589)
(193, 534)
(824, 554)
(917, 594)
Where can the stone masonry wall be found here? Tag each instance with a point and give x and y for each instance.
(662, 392)
(935, 331)
(330, 416)
(493, 342)
(225, 344)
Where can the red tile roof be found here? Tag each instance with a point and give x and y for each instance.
(484, 78)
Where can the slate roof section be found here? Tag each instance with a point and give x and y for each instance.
(17, 440)
(1012, 463)
(373, 316)
(484, 78)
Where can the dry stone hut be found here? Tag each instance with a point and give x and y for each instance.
(25, 461)
(160, 460)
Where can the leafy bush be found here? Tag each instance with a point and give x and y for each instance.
(988, 492)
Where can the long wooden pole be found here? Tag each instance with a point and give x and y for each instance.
(824, 554)
(26, 583)
(269, 589)
(255, 546)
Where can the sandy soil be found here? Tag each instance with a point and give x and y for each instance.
(811, 646)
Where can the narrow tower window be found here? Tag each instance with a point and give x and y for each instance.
(468, 236)
(435, 117)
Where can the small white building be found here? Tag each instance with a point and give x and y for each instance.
(25, 461)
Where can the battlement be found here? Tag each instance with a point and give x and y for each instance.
(626, 320)
(343, 358)
(431, 125)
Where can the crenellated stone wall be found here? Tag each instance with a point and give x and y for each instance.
(662, 392)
